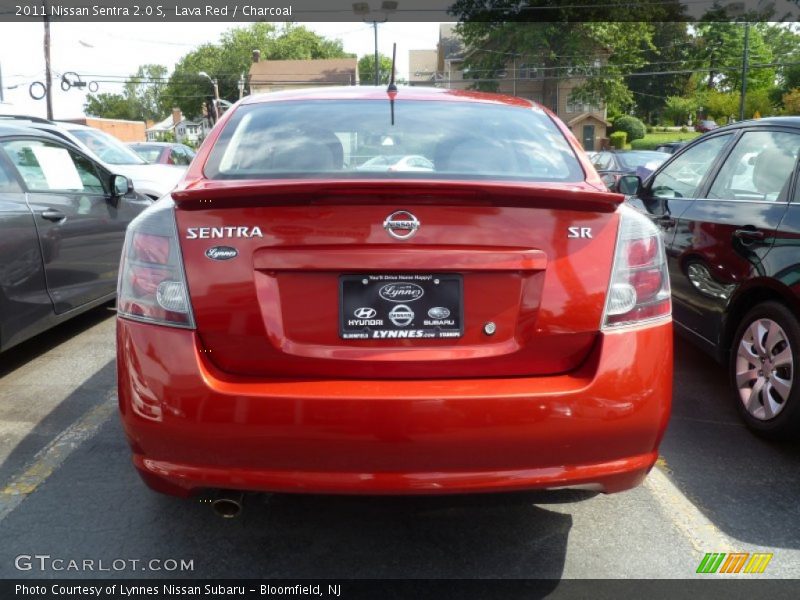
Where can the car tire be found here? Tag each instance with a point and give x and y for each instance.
(764, 369)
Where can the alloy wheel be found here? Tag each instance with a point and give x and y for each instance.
(764, 369)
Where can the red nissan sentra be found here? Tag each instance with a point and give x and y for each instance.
(479, 315)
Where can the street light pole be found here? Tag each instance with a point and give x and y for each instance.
(48, 76)
(214, 83)
(377, 68)
(362, 9)
(745, 60)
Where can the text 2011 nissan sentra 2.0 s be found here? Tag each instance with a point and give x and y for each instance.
(292, 323)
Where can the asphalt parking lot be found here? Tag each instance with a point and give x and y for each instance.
(69, 491)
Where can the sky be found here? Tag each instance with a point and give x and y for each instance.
(102, 49)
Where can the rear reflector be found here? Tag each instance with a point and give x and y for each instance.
(152, 284)
(639, 289)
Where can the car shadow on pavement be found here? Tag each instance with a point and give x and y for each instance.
(746, 486)
(95, 506)
(91, 393)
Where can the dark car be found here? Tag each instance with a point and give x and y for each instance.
(613, 164)
(728, 206)
(670, 147)
(62, 224)
(163, 153)
(706, 125)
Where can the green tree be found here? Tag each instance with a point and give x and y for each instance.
(142, 97)
(719, 49)
(791, 102)
(229, 60)
(577, 42)
(146, 89)
(366, 69)
(677, 109)
(670, 49)
(111, 106)
(719, 104)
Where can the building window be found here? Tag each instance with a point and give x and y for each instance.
(528, 71)
(580, 107)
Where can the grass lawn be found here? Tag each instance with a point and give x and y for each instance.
(651, 140)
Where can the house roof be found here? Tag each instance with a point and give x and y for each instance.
(168, 124)
(165, 125)
(585, 116)
(342, 71)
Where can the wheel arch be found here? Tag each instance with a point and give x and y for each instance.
(750, 294)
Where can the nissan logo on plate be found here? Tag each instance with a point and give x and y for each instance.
(401, 292)
(401, 315)
(401, 225)
(222, 253)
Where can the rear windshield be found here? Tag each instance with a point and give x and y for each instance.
(149, 153)
(356, 138)
(631, 160)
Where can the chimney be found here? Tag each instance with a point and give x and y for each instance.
(256, 55)
(177, 117)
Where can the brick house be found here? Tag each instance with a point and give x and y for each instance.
(276, 75)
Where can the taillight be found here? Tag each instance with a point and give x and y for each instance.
(152, 283)
(639, 289)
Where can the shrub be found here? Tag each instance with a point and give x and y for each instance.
(684, 129)
(618, 139)
(631, 126)
(650, 129)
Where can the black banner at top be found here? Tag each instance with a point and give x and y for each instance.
(237, 11)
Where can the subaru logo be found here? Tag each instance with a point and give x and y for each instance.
(222, 253)
(401, 315)
(401, 292)
(364, 312)
(439, 312)
(401, 225)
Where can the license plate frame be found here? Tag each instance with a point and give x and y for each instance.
(389, 306)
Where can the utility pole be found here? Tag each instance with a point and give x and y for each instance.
(377, 70)
(48, 77)
(745, 59)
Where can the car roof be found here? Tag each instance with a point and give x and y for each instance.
(354, 92)
(793, 122)
(22, 129)
(159, 144)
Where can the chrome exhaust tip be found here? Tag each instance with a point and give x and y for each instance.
(228, 504)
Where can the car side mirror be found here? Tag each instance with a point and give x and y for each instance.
(630, 185)
(120, 186)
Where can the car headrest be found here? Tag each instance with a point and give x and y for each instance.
(463, 154)
(308, 150)
(772, 171)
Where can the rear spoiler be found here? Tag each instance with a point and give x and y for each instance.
(246, 192)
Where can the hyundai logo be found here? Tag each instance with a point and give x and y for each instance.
(401, 225)
(401, 315)
(364, 312)
(401, 292)
(222, 253)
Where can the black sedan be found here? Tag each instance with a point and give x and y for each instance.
(62, 224)
(728, 206)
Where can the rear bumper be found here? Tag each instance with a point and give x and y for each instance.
(191, 427)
